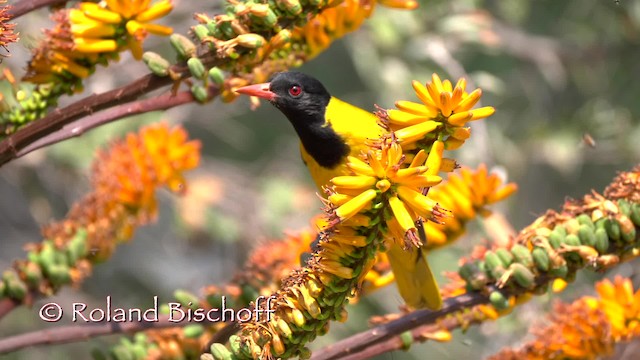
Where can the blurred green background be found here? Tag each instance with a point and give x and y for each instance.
(554, 70)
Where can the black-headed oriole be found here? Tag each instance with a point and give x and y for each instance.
(330, 130)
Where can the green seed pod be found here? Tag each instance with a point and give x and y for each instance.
(629, 235)
(292, 7)
(304, 353)
(541, 259)
(635, 214)
(139, 351)
(47, 255)
(220, 352)
(560, 272)
(263, 14)
(77, 247)
(625, 207)
(183, 46)
(572, 226)
(227, 30)
(216, 75)
(193, 331)
(505, 256)
(186, 298)
(196, 68)
(586, 235)
(602, 240)
(206, 356)
(16, 289)
(407, 339)
(572, 240)
(250, 41)
(493, 265)
(556, 238)
(613, 229)
(235, 344)
(468, 271)
(498, 300)
(522, 255)
(200, 31)
(523, 276)
(585, 219)
(32, 273)
(200, 93)
(158, 65)
(59, 275)
(214, 30)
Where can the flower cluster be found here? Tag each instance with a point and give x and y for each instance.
(335, 22)
(124, 180)
(444, 107)
(83, 37)
(466, 194)
(588, 328)
(97, 28)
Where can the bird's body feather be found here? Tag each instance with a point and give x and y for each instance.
(354, 126)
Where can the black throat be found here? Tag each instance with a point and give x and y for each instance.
(322, 143)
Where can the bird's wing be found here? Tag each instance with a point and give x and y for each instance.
(415, 280)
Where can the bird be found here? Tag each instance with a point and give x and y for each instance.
(330, 130)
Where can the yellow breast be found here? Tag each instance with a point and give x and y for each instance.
(355, 126)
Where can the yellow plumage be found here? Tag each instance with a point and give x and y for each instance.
(354, 125)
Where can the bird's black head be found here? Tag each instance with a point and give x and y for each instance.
(304, 100)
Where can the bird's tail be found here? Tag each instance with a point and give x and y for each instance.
(415, 280)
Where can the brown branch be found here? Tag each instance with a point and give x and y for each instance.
(26, 6)
(353, 346)
(78, 128)
(357, 346)
(66, 334)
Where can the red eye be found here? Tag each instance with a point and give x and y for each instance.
(295, 91)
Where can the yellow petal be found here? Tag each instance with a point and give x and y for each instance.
(354, 182)
(94, 45)
(156, 11)
(419, 159)
(400, 4)
(94, 11)
(356, 204)
(423, 95)
(459, 119)
(414, 108)
(91, 31)
(416, 132)
(156, 29)
(421, 204)
(359, 167)
(421, 181)
(461, 133)
(482, 112)
(401, 214)
(453, 144)
(435, 157)
(339, 199)
(375, 164)
(468, 102)
(445, 103)
(353, 240)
